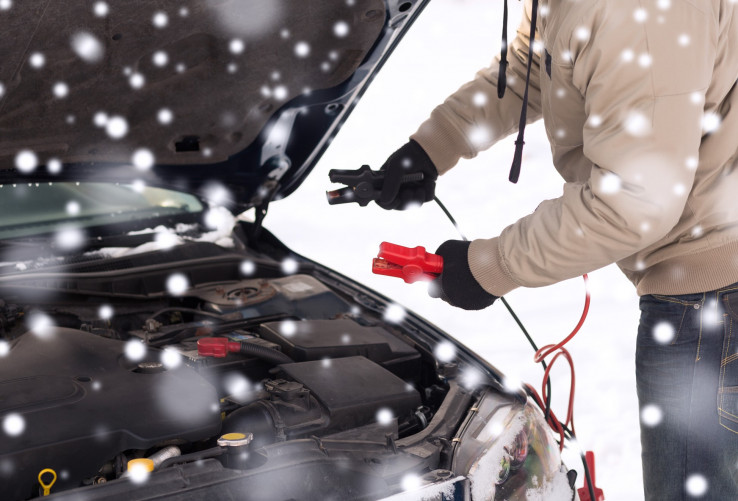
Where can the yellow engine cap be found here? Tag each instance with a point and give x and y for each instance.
(145, 464)
(235, 439)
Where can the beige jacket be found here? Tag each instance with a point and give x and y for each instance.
(641, 110)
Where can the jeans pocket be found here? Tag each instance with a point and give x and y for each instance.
(728, 390)
(669, 320)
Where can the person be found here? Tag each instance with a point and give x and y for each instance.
(640, 106)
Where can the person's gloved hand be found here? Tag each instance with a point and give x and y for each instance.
(409, 159)
(456, 285)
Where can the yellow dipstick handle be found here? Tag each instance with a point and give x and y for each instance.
(47, 487)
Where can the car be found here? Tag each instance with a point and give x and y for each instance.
(155, 342)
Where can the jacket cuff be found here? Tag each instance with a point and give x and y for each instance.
(441, 142)
(488, 267)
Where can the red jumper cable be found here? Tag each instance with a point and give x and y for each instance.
(414, 264)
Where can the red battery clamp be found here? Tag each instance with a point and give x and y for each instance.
(409, 264)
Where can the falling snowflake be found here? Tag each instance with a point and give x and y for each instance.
(2, 89)
(69, 238)
(663, 4)
(302, 49)
(73, 207)
(479, 136)
(165, 116)
(14, 424)
(644, 60)
(345, 338)
(640, 15)
(237, 385)
(136, 80)
(54, 165)
(171, 358)
(40, 324)
(6, 4)
(627, 55)
(582, 33)
(683, 40)
(284, 33)
(138, 473)
(410, 482)
(37, 60)
(479, 99)
(471, 378)
(116, 127)
(288, 328)
(394, 313)
(26, 161)
(134, 350)
(248, 268)
(692, 163)
(594, 121)
(696, 485)
(105, 312)
(610, 183)
(711, 122)
(341, 29)
(87, 47)
(100, 119)
(177, 284)
(100, 9)
(236, 46)
(645, 227)
(167, 240)
(512, 383)
(143, 159)
(651, 415)
(445, 351)
(384, 416)
(138, 186)
(697, 231)
(4, 348)
(217, 194)
(712, 315)
(290, 266)
(180, 67)
(160, 58)
(160, 19)
(61, 90)
(184, 12)
(637, 124)
(325, 363)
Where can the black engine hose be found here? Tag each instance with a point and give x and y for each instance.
(264, 353)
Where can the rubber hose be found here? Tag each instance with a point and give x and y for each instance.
(264, 353)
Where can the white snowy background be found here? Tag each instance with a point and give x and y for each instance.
(452, 40)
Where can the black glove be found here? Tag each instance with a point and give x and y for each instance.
(409, 159)
(456, 285)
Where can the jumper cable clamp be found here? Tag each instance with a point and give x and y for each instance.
(409, 264)
(362, 185)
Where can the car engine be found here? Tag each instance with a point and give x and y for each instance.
(284, 364)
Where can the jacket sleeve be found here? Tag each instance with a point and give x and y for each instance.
(644, 89)
(473, 118)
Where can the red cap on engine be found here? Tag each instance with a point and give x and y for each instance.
(216, 346)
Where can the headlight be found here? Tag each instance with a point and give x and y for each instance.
(507, 452)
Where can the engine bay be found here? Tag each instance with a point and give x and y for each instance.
(316, 386)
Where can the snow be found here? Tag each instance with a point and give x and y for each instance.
(87, 47)
(165, 116)
(384, 417)
(424, 70)
(177, 284)
(14, 424)
(430, 492)
(696, 485)
(26, 161)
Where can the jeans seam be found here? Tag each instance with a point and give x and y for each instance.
(726, 347)
(699, 338)
(681, 322)
(676, 301)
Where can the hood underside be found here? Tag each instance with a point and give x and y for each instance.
(198, 83)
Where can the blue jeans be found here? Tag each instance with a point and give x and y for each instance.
(687, 379)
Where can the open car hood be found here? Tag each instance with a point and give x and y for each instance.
(243, 93)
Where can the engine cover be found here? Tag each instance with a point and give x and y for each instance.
(76, 401)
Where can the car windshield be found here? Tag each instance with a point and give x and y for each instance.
(36, 208)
